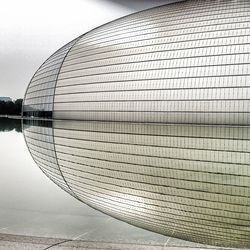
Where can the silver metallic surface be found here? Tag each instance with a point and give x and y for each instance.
(181, 63)
(161, 99)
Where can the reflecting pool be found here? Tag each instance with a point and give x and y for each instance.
(33, 205)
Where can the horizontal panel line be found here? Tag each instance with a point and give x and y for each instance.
(152, 145)
(160, 51)
(43, 83)
(199, 124)
(185, 196)
(39, 90)
(159, 68)
(158, 37)
(161, 15)
(136, 71)
(161, 11)
(157, 100)
(184, 203)
(138, 80)
(144, 134)
(148, 175)
(130, 34)
(215, 184)
(161, 43)
(145, 165)
(175, 214)
(150, 156)
(150, 198)
(115, 185)
(164, 23)
(153, 111)
(138, 90)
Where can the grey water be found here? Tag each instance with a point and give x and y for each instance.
(32, 205)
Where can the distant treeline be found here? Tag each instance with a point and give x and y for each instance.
(11, 108)
(10, 124)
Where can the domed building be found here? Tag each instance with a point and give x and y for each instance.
(147, 120)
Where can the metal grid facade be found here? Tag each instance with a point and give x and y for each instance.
(39, 97)
(156, 120)
(181, 63)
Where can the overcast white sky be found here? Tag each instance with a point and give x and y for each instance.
(31, 30)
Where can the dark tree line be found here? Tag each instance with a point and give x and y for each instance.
(11, 108)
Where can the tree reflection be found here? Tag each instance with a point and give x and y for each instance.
(7, 124)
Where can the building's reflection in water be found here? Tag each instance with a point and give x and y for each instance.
(190, 182)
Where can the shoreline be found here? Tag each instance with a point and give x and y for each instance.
(18, 117)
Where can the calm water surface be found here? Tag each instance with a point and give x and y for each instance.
(32, 205)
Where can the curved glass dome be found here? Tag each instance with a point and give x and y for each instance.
(156, 120)
(39, 97)
(186, 62)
